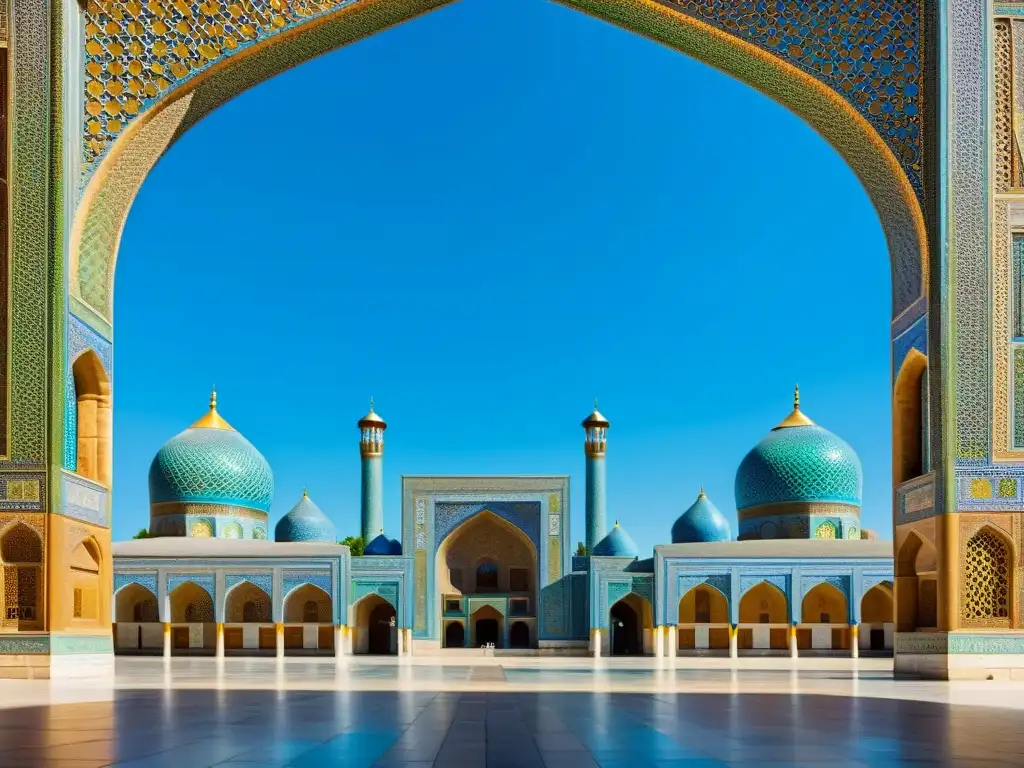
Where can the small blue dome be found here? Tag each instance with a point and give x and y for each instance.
(617, 543)
(396, 547)
(305, 523)
(702, 522)
(381, 545)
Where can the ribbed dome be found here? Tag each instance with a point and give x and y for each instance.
(211, 463)
(799, 461)
(305, 522)
(700, 523)
(382, 545)
(617, 543)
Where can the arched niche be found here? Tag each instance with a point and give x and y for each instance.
(764, 603)
(877, 606)
(134, 604)
(94, 419)
(910, 426)
(630, 625)
(308, 604)
(487, 626)
(916, 586)
(247, 603)
(703, 604)
(824, 604)
(374, 626)
(191, 604)
(21, 552)
(86, 584)
(987, 586)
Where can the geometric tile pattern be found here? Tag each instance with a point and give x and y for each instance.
(523, 515)
(212, 466)
(799, 464)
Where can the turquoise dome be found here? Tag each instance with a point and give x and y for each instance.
(211, 463)
(617, 543)
(305, 522)
(702, 522)
(799, 461)
(382, 545)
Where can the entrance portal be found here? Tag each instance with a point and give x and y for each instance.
(627, 637)
(455, 635)
(382, 622)
(374, 626)
(487, 632)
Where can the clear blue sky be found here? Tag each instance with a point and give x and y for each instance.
(486, 218)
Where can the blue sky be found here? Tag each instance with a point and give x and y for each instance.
(486, 218)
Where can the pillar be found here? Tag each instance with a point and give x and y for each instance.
(673, 641)
(167, 639)
(220, 640)
(339, 641)
(659, 641)
(793, 652)
(855, 641)
(734, 641)
(371, 451)
(104, 447)
(595, 643)
(594, 446)
(408, 642)
(279, 635)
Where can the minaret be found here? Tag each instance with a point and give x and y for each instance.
(596, 427)
(371, 450)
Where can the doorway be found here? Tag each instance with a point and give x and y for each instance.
(382, 624)
(625, 629)
(455, 635)
(519, 635)
(487, 632)
(877, 639)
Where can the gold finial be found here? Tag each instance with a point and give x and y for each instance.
(616, 523)
(797, 417)
(212, 419)
(305, 493)
(701, 491)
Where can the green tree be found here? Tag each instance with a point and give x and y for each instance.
(142, 534)
(355, 544)
(581, 549)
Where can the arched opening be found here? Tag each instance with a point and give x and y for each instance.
(877, 615)
(703, 619)
(192, 619)
(910, 425)
(308, 617)
(519, 635)
(488, 627)
(454, 635)
(484, 555)
(916, 592)
(247, 604)
(764, 619)
(626, 628)
(138, 619)
(93, 418)
(374, 626)
(987, 579)
(826, 609)
(21, 551)
(85, 583)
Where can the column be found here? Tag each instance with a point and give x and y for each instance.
(595, 643)
(339, 641)
(659, 641)
(408, 642)
(220, 640)
(673, 641)
(855, 641)
(279, 632)
(734, 641)
(167, 639)
(793, 653)
(400, 641)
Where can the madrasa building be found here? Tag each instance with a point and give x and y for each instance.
(487, 561)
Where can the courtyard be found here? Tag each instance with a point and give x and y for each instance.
(507, 711)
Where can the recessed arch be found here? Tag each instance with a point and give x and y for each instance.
(93, 418)
(703, 604)
(134, 603)
(21, 578)
(374, 625)
(987, 581)
(246, 603)
(910, 444)
(191, 604)
(308, 604)
(915, 585)
(630, 622)
(764, 603)
(192, 93)
(85, 565)
(824, 603)
(877, 605)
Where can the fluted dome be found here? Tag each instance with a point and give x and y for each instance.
(211, 463)
(799, 461)
(305, 522)
(702, 522)
(382, 545)
(617, 543)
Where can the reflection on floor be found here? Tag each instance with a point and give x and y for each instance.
(520, 713)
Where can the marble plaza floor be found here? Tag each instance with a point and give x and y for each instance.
(508, 712)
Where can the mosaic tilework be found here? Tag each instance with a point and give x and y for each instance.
(842, 583)
(1018, 397)
(749, 581)
(915, 500)
(211, 465)
(969, 228)
(525, 515)
(146, 580)
(23, 491)
(84, 500)
(983, 490)
(799, 464)
(264, 581)
(914, 337)
(295, 579)
(385, 590)
(1007, 159)
(202, 580)
(30, 124)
